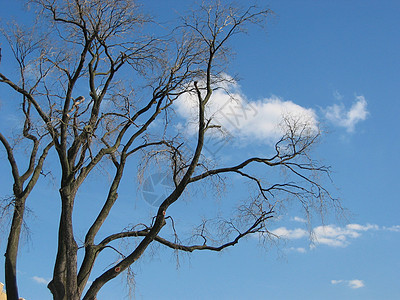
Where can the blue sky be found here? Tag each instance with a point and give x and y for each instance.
(337, 60)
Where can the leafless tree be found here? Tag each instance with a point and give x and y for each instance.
(92, 79)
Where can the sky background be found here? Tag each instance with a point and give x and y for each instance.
(337, 60)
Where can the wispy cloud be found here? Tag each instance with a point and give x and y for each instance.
(330, 235)
(298, 249)
(337, 95)
(336, 236)
(290, 234)
(395, 228)
(354, 284)
(298, 219)
(340, 116)
(40, 280)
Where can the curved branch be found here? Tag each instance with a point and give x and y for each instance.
(12, 161)
(254, 228)
(23, 92)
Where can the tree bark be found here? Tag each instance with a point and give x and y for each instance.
(12, 250)
(64, 283)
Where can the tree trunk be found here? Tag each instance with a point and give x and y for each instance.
(64, 284)
(12, 250)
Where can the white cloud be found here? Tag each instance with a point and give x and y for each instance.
(362, 227)
(335, 236)
(339, 116)
(290, 234)
(298, 219)
(330, 235)
(262, 120)
(256, 120)
(40, 280)
(354, 284)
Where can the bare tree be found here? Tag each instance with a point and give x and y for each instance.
(93, 78)
(23, 48)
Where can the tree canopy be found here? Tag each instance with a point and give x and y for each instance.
(100, 86)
